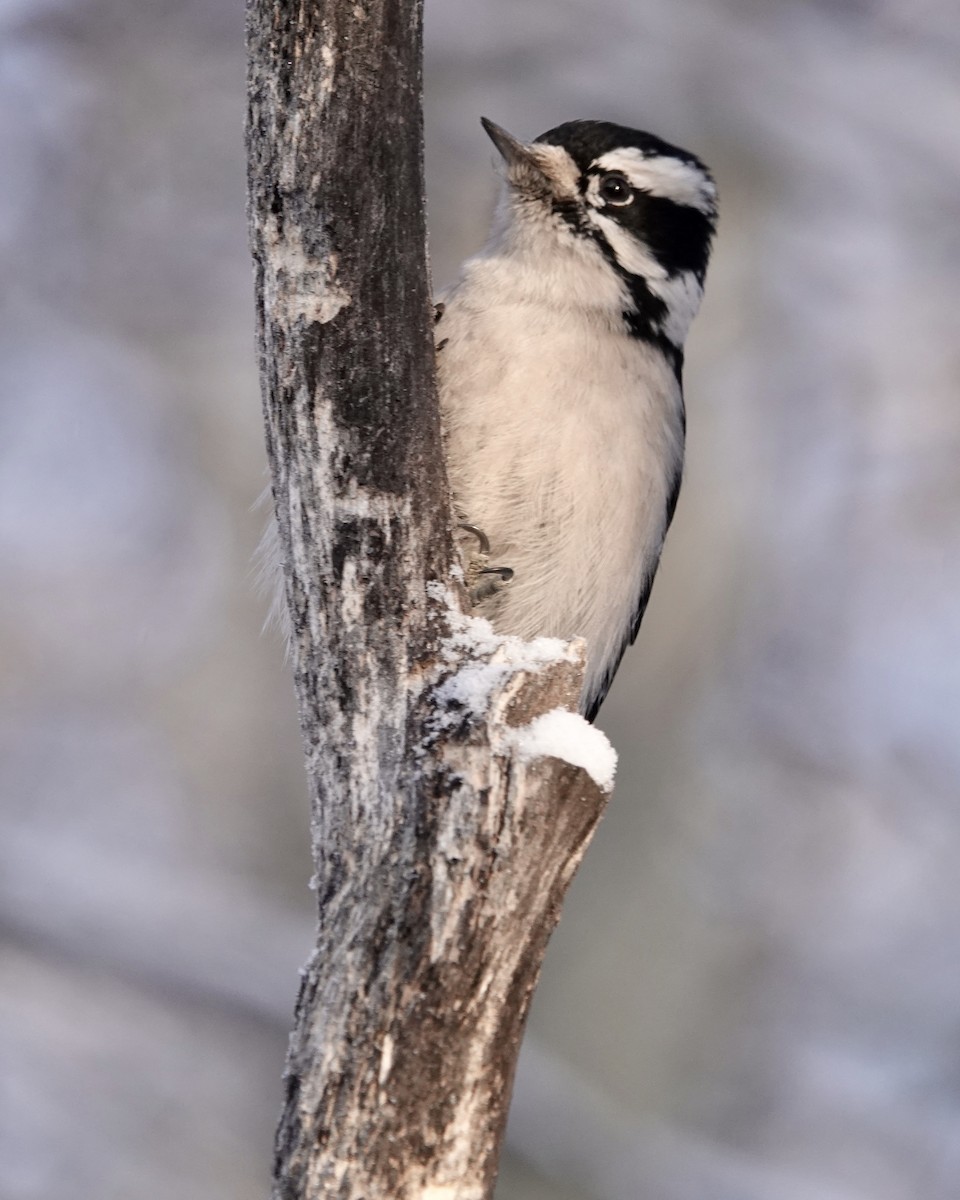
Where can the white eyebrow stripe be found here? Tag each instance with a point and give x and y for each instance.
(670, 178)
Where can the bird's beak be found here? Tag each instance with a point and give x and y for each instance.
(522, 164)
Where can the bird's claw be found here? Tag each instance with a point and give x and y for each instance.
(482, 540)
(487, 582)
(483, 581)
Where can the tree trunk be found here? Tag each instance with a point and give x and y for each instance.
(444, 834)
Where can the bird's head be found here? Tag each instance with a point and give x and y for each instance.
(647, 208)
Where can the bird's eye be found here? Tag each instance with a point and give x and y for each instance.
(615, 189)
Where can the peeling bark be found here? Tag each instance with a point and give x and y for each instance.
(442, 852)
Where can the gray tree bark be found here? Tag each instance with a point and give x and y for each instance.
(443, 841)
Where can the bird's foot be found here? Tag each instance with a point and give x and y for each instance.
(482, 581)
(488, 581)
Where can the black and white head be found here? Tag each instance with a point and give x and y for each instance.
(647, 209)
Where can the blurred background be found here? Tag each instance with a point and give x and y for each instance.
(754, 993)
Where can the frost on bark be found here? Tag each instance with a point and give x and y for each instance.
(448, 814)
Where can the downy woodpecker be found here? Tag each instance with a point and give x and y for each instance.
(560, 352)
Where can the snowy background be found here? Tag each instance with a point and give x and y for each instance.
(755, 990)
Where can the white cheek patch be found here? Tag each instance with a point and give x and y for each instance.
(681, 293)
(669, 178)
(630, 253)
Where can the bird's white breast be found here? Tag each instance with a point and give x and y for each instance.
(563, 437)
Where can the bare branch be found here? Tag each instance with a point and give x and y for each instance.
(446, 823)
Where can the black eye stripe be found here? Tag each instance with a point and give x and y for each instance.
(677, 235)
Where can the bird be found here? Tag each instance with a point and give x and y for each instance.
(559, 362)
